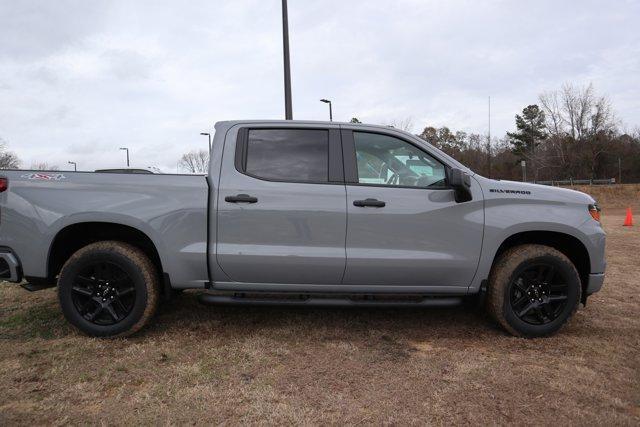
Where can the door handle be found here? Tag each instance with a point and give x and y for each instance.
(241, 198)
(374, 203)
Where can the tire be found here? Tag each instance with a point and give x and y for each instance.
(108, 289)
(533, 290)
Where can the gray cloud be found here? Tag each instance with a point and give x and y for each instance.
(79, 79)
(32, 28)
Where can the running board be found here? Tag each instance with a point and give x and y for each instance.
(34, 287)
(329, 302)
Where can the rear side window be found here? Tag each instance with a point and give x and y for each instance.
(295, 155)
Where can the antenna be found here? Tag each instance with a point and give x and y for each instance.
(489, 142)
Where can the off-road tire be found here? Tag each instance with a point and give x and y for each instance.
(144, 279)
(504, 273)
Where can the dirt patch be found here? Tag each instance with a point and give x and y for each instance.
(331, 366)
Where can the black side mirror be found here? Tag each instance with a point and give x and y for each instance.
(460, 181)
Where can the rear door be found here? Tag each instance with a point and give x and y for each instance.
(404, 226)
(282, 206)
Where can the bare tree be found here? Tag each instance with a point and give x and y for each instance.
(44, 166)
(577, 112)
(8, 159)
(195, 161)
(405, 124)
(580, 125)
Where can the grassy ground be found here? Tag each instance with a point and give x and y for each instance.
(613, 196)
(198, 364)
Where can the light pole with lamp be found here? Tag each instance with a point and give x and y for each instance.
(209, 135)
(75, 166)
(127, 150)
(327, 101)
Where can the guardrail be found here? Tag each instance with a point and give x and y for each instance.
(561, 182)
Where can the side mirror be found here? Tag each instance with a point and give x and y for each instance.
(460, 181)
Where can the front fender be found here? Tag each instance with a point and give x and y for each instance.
(505, 218)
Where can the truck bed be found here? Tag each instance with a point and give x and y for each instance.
(171, 210)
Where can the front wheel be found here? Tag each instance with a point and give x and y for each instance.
(108, 288)
(533, 290)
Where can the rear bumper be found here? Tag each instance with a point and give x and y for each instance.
(10, 269)
(595, 283)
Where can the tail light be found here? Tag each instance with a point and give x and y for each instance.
(594, 210)
(4, 184)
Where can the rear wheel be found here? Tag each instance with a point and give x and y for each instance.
(533, 290)
(108, 289)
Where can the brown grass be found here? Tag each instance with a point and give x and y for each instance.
(201, 365)
(613, 196)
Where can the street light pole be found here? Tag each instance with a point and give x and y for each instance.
(75, 166)
(288, 111)
(127, 150)
(327, 101)
(209, 135)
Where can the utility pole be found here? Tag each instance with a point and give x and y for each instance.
(489, 142)
(127, 150)
(288, 111)
(619, 171)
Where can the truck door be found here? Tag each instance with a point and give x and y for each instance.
(404, 226)
(282, 206)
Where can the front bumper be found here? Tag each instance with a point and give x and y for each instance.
(10, 269)
(595, 283)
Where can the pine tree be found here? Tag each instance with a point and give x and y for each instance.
(531, 131)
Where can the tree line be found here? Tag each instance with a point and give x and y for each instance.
(570, 133)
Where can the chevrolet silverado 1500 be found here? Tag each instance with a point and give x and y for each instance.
(333, 213)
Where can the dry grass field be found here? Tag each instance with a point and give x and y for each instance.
(201, 365)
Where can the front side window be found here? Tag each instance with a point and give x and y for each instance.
(294, 155)
(385, 160)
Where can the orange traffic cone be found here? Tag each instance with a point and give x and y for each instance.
(628, 221)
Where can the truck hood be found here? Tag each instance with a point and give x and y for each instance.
(495, 188)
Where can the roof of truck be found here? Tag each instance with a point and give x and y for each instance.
(230, 123)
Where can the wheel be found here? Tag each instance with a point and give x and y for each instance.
(108, 289)
(533, 290)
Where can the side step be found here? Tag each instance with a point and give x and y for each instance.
(218, 299)
(34, 287)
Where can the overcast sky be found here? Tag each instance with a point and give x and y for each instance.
(78, 79)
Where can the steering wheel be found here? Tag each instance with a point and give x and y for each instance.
(393, 179)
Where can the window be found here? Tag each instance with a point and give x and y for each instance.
(385, 160)
(295, 155)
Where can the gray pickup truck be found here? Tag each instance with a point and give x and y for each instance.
(297, 212)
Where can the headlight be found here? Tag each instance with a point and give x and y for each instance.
(594, 210)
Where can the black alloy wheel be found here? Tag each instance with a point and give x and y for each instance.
(539, 294)
(103, 293)
(109, 289)
(533, 290)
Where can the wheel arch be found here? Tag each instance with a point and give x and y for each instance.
(569, 245)
(75, 236)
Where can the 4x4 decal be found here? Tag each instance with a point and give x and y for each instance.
(39, 176)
